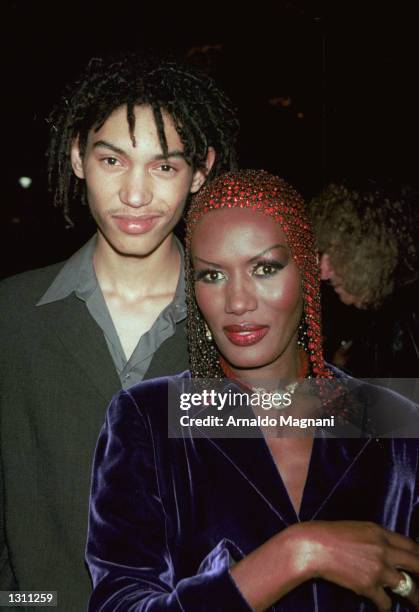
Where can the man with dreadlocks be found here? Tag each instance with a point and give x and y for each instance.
(134, 136)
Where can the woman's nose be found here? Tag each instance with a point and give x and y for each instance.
(240, 297)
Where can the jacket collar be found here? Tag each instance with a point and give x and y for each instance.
(332, 459)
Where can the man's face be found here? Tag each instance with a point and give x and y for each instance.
(135, 194)
(329, 274)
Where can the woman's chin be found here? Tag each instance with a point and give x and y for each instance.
(245, 362)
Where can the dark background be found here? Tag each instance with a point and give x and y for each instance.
(323, 91)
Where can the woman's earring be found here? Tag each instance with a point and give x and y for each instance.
(302, 334)
(208, 333)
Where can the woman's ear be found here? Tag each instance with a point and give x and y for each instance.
(76, 159)
(200, 175)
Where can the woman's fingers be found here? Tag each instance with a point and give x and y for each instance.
(363, 557)
(380, 598)
(392, 581)
(400, 541)
(405, 560)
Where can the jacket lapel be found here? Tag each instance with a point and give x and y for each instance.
(70, 320)
(252, 461)
(331, 462)
(172, 356)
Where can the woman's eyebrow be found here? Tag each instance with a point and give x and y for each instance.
(208, 263)
(254, 258)
(271, 248)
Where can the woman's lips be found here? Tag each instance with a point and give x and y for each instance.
(130, 224)
(246, 334)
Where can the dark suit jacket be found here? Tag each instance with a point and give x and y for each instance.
(57, 378)
(167, 513)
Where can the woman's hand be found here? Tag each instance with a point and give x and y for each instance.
(357, 555)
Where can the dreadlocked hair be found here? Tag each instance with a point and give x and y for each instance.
(269, 195)
(202, 114)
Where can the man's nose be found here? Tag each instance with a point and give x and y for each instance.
(240, 297)
(326, 271)
(136, 189)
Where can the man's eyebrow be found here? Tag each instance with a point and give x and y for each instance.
(160, 156)
(174, 153)
(255, 258)
(108, 145)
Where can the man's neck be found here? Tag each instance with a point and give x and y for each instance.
(133, 277)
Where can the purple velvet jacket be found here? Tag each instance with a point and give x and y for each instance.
(167, 515)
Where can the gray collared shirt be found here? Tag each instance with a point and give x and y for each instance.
(78, 276)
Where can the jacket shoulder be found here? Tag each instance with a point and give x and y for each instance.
(154, 390)
(152, 397)
(28, 287)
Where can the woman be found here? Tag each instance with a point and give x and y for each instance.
(201, 523)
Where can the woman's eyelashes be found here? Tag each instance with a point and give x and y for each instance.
(263, 269)
(208, 275)
(267, 267)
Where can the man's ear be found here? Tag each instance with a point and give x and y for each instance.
(76, 159)
(200, 175)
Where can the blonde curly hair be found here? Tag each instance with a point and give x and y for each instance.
(369, 239)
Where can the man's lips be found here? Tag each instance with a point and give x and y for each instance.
(245, 334)
(132, 224)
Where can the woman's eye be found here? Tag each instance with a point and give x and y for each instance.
(267, 268)
(208, 276)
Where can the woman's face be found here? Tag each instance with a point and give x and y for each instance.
(248, 288)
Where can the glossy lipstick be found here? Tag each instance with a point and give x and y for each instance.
(134, 225)
(245, 334)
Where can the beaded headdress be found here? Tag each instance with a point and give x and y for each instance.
(269, 195)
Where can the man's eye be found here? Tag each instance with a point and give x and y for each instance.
(209, 276)
(264, 268)
(166, 168)
(110, 161)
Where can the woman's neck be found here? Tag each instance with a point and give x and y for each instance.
(288, 368)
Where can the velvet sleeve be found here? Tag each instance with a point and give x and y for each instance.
(414, 524)
(127, 550)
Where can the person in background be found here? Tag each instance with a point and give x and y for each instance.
(134, 136)
(368, 244)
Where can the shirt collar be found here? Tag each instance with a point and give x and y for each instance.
(78, 276)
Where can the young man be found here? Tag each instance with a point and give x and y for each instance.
(135, 136)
